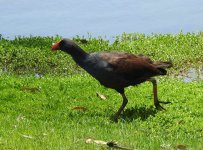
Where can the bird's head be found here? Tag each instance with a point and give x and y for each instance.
(65, 45)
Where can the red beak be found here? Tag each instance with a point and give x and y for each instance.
(55, 46)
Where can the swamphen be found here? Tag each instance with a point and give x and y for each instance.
(116, 70)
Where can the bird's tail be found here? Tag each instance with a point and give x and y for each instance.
(162, 65)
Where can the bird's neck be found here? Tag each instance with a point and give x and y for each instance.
(78, 54)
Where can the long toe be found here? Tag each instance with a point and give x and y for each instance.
(159, 107)
(165, 102)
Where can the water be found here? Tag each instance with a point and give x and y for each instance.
(69, 18)
(192, 74)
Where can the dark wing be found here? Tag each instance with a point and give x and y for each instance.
(130, 66)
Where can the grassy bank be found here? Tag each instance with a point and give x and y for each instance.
(29, 55)
(60, 109)
(38, 113)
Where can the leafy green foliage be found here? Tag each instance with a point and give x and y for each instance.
(38, 113)
(30, 55)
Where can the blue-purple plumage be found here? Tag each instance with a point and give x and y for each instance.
(116, 70)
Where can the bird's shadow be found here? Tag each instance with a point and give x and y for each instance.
(136, 112)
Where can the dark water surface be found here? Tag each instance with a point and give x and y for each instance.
(69, 18)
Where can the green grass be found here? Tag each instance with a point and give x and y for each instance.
(37, 113)
(29, 55)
